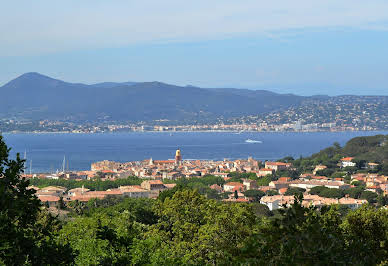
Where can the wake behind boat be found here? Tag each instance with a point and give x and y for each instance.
(253, 141)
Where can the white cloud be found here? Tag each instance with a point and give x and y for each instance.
(43, 26)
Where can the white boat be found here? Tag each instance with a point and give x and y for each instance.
(253, 141)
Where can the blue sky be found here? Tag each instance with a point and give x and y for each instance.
(302, 47)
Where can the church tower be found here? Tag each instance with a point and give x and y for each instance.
(178, 157)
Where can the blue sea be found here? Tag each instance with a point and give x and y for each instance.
(46, 151)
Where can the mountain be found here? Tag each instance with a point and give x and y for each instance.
(35, 96)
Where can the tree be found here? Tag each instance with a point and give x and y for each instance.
(25, 239)
(369, 196)
(354, 192)
(235, 194)
(332, 193)
(300, 236)
(61, 203)
(366, 232)
(294, 191)
(194, 230)
(256, 194)
(308, 236)
(317, 190)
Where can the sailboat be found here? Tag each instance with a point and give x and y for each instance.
(63, 164)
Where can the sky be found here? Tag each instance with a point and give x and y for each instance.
(303, 47)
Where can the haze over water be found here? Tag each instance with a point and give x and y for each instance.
(47, 150)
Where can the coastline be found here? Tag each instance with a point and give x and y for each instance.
(189, 131)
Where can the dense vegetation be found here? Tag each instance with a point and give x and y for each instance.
(96, 184)
(182, 227)
(368, 149)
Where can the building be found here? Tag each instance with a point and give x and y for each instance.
(155, 185)
(232, 186)
(319, 168)
(178, 157)
(249, 184)
(264, 172)
(347, 162)
(278, 201)
(134, 192)
(277, 166)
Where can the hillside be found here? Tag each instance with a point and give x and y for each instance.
(34, 96)
(369, 112)
(369, 148)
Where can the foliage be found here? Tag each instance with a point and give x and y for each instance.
(294, 191)
(332, 193)
(369, 196)
(354, 192)
(194, 230)
(264, 181)
(256, 194)
(27, 233)
(366, 231)
(308, 236)
(96, 184)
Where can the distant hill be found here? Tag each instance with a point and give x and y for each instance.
(35, 96)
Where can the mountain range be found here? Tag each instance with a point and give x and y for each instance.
(34, 96)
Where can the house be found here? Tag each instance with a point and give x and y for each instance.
(217, 188)
(77, 191)
(279, 184)
(347, 162)
(278, 201)
(372, 165)
(52, 201)
(319, 168)
(308, 184)
(154, 185)
(221, 174)
(249, 184)
(51, 190)
(282, 190)
(264, 172)
(277, 166)
(232, 186)
(134, 192)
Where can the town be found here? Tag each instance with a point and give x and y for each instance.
(246, 180)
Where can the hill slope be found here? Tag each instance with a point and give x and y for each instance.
(34, 96)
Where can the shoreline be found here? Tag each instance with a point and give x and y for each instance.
(191, 131)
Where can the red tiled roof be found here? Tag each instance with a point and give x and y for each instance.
(234, 184)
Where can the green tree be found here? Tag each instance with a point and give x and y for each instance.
(317, 190)
(256, 194)
(25, 236)
(332, 193)
(194, 230)
(370, 196)
(366, 232)
(354, 192)
(101, 239)
(291, 191)
(300, 236)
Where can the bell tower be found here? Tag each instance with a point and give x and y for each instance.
(178, 157)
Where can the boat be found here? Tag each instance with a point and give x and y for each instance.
(253, 141)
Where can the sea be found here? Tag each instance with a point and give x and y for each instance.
(45, 152)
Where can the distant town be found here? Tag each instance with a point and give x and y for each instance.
(47, 126)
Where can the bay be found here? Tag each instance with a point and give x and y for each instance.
(46, 150)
